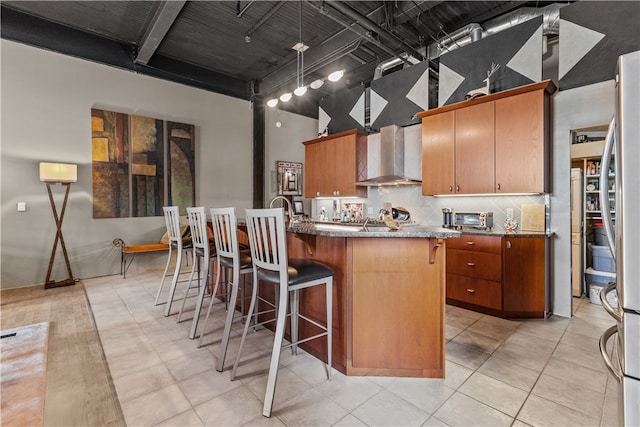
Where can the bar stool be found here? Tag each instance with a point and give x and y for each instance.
(229, 256)
(268, 243)
(174, 237)
(201, 251)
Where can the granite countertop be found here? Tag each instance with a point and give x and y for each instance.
(345, 230)
(503, 233)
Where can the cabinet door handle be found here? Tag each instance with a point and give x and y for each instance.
(317, 193)
(471, 264)
(450, 188)
(498, 186)
(508, 244)
(471, 243)
(457, 188)
(471, 291)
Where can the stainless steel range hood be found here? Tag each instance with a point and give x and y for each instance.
(391, 160)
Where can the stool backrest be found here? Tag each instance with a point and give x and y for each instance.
(225, 233)
(268, 240)
(198, 225)
(172, 220)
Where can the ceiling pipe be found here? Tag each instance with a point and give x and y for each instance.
(368, 24)
(465, 35)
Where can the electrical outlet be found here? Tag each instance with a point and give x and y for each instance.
(22, 206)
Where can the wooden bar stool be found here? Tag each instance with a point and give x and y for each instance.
(268, 243)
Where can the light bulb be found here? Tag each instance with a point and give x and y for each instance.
(316, 84)
(336, 75)
(272, 102)
(300, 90)
(285, 97)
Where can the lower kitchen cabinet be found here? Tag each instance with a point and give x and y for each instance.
(502, 276)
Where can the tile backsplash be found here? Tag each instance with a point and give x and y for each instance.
(427, 210)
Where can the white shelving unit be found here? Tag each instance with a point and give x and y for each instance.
(587, 156)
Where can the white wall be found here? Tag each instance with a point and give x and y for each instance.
(46, 100)
(585, 106)
(284, 143)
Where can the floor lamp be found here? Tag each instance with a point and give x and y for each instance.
(65, 174)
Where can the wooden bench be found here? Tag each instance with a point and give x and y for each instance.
(131, 251)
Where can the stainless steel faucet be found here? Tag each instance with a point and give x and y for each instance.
(288, 203)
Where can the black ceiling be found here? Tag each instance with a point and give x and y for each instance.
(244, 48)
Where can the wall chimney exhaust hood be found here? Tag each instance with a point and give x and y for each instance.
(391, 160)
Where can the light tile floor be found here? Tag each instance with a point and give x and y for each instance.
(498, 372)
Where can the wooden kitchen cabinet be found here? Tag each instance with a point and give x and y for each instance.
(438, 152)
(475, 160)
(522, 143)
(474, 271)
(502, 276)
(499, 143)
(333, 164)
(524, 276)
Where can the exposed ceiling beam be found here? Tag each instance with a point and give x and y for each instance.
(165, 15)
(264, 19)
(398, 44)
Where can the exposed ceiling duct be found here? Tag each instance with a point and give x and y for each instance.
(474, 32)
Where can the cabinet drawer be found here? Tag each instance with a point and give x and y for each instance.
(472, 242)
(482, 265)
(485, 293)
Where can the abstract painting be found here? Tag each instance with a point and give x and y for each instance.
(181, 168)
(110, 155)
(140, 164)
(147, 166)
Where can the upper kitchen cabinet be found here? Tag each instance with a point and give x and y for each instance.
(522, 143)
(334, 164)
(493, 144)
(438, 135)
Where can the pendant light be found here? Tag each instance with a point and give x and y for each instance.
(301, 89)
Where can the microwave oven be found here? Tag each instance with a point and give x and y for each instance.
(481, 220)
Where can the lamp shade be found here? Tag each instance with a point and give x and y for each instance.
(58, 172)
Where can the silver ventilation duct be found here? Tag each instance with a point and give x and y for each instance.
(391, 160)
(469, 34)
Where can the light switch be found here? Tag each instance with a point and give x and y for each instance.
(22, 206)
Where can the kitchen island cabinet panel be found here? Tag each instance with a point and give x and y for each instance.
(521, 139)
(388, 303)
(438, 154)
(396, 327)
(474, 142)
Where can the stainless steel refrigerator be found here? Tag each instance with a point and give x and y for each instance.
(622, 357)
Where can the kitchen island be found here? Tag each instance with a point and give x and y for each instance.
(389, 297)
